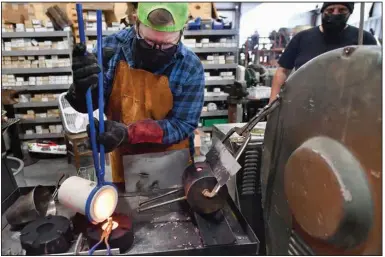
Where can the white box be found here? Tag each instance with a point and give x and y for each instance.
(29, 132)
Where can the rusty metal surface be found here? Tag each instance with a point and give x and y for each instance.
(327, 191)
(337, 95)
(197, 178)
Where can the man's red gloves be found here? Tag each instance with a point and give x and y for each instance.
(117, 134)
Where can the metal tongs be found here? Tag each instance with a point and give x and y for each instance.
(99, 165)
(221, 174)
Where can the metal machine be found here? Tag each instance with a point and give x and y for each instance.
(321, 167)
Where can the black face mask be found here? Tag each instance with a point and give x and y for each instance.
(151, 59)
(333, 25)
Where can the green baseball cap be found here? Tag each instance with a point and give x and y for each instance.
(178, 11)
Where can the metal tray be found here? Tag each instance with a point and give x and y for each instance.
(169, 230)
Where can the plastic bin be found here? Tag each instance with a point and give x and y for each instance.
(208, 122)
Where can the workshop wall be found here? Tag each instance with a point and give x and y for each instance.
(266, 17)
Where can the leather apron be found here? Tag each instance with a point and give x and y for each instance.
(138, 95)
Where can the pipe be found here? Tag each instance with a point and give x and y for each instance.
(21, 167)
(361, 28)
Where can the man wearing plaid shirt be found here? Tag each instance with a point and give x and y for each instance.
(154, 91)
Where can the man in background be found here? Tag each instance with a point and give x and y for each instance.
(332, 34)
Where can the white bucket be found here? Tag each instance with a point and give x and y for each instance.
(81, 195)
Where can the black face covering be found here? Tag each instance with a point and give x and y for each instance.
(151, 59)
(333, 25)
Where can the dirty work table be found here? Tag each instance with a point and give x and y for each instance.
(169, 230)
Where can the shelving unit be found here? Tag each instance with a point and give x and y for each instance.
(36, 70)
(209, 32)
(214, 113)
(92, 33)
(38, 88)
(40, 136)
(36, 104)
(215, 69)
(48, 34)
(40, 120)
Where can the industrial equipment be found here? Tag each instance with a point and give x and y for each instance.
(321, 167)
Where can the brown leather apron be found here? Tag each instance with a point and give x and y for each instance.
(138, 95)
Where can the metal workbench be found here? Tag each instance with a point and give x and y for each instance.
(247, 181)
(169, 230)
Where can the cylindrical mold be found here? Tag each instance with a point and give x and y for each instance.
(29, 207)
(83, 196)
(197, 178)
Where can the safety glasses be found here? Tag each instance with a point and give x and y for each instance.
(148, 44)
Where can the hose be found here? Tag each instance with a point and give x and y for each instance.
(21, 167)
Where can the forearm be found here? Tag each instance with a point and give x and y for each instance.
(279, 79)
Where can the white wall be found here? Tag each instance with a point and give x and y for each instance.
(266, 17)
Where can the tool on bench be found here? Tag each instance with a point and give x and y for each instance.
(96, 201)
(213, 173)
(196, 178)
(216, 157)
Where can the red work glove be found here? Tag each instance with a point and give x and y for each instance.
(117, 134)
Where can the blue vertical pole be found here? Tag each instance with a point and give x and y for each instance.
(101, 93)
(79, 11)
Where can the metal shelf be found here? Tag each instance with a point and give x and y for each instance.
(37, 104)
(39, 88)
(220, 66)
(34, 70)
(214, 113)
(206, 129)
(41, 120)
(213, 49)
(92, 33)
(216, 98)
(37, 136)
(209, 32)
(35, 34)
(219, 82)
(37, 52)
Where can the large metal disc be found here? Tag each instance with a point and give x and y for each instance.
(322, 161)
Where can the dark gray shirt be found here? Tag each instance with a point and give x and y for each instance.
(310, 43)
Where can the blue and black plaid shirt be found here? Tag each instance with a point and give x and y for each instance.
(186, 81)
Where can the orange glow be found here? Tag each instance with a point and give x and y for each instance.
(114, 225)
(104, 204)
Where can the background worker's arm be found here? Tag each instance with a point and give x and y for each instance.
(286, 64)
(279, 78)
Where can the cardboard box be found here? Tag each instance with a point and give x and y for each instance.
(202, 10)
(98, 6)
(14, 12)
